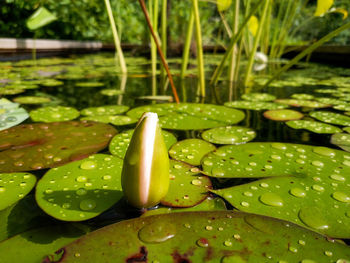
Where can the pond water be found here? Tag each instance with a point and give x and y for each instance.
(280, 146)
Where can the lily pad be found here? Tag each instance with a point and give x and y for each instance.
(6, 91)
(187, 186)
(31, 100)
(283, 115)
(253, 105)
(331, 117)
(347, 129)
(120, 143)
(111, 92)
(258, 97)
(302, 96)
(342, 140)
(105, 110)
(53, 114)
(313, 126)
(10, 114)
(219, 236)
(51, 83)
(38, 146)
(190, 151)
(342, 106)
(14, 186)
(81, 190)
(89, 84)
(303, 103)
(118, 120)
(229, 135)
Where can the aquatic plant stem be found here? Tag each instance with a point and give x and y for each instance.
(116, 37)
(187, 45)
(255, 44)
(165, 64)
(234, 61)
(200, 61)
(164, 34)
(307, 51)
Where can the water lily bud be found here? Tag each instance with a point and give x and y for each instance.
(145, 175)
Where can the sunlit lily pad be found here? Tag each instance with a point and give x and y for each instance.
(10, 114)
(302, 96)
(111, 92)
(53, 114)
(105, 110)
(283, 115)
(313, 126)
(14, 186)
(120, 143)
(51, 83)
(31, 100)
(253, 105)
(81, 190)
(303, 103)
(6, 91)
(328, 100)
(190, 150)
(187, 186)
(347, 129)
(38, 146)
(331, 117)
(192, 236)
(342, 140)
(342, 106)
(89, 84)
(118, 120)
(229, 135)
(258, 97)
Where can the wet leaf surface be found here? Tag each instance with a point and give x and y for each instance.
(229, 135)
(313, 126)
(331, 117)
(253, 105)
(54, 114)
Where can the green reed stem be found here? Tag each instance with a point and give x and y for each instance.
(187, 45)
(164, 35)
(116, 37)
(234, 62)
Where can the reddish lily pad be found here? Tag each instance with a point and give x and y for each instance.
(283, 115)
(187, 186)
(38, 146)
(218, 236)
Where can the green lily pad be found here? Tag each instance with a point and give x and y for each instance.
(38, 146)
(342, 106)
(303, 103)
(219, 236)
(258, 97)
(283, 115)
(51, 83)
(302, 96)
(53, 114)
(187, 186)
(89, 84)
(5, 91)
(10, 114)
(14, 186)
(313, 126)
(331, 117)
(118, 120)
(190, 116)
(347, 129)
(229, 135)
(331, 101)
(253, 105)
(105, 110)
(120, 143)
(254, 160)
(31, 100)
(190, 151)
(111, 92)
(320, 203)
(81, 190)
(342, 140)
(34, 245)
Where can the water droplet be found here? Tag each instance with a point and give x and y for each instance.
(81, 179)
(177, 166)
(23, 184)
(190, 157)
(318, 188)
(308, 261)
(297, 192)
(77, 255)
(65, 205)
(245, 204)
(209, 228)
(328, 253)
(317, 163)
(313, 217)
(87, 204)
(271, 199)
(81, 191)
(228, 243)
(2, 189)
(227, 195)
(196, 182)
(186, 197)
(218, 172)
(252, 164)
(208, 163)
(26, 176)
(195, 170)
(324, 151)
(337, 177)
(157, 232)
(264, 185)
(302, 242)
(187, 225)
(246, 193)
(237, 236)
(276, 157)
(11, 119)
(279, 146)
(107, 177)
(48, 191)
(88, 165)
(346, 162)
(341, 197)
(202, 242)
(293, 249)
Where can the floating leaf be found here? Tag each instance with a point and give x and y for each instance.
(53, 114)
(14, 186)
(229, 135)
(342, 140)
(41, 17)
(303, 103)
(38, 146)
(258, 97)
(302, 96)
(253, 105)
(34, 245)
(342, 106)
(5, 91)
(283, 115)
(89, 84)
(223, 5)
(120, 143)
(331, 117)
(187, 186)
(253, 25)
(313, 126)
(347, 129)
(323, 6)
(190, 151)
(51, 83)
(10, 114)
(31, 100)
(81, 190)
(105, 110)
(192, 236)
(118, 120)
(111, 92)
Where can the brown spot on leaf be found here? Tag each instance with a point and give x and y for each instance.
(140, 256)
